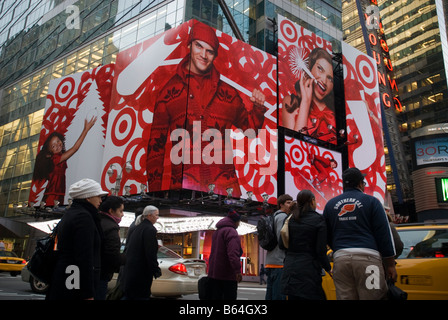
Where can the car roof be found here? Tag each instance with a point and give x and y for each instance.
(421, 226)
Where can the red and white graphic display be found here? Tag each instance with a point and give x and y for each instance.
(363, 112)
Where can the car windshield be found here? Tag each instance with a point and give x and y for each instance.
(424, 243)
(7, 254)
(164, 252)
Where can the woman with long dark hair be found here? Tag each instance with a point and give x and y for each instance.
(307, 251)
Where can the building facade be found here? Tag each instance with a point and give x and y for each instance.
(416, 38)
(45, 40)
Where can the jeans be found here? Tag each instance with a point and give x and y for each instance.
(273, 284)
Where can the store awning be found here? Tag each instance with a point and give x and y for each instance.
(164, 224)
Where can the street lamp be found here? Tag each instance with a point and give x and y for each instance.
(128, 167)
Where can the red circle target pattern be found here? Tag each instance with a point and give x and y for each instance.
(65, 89)
(366, 71)
(121, 124)
(288, 30)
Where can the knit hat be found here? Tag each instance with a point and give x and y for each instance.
(352, 176)
(203, 32)
(234, 215)
(86, 188)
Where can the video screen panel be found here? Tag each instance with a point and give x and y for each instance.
(306, 82)
(431, 151)
(73, 133)
(311, 167)
(363, 119)
(442, 190)
(194, 108)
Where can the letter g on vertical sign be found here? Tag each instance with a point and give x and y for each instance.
(373, 278)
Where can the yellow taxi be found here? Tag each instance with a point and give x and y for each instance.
(9, 262)
(422, 267)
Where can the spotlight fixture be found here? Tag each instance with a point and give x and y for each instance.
(229, 192)
(211, 187)
(265, 197)
(354, 141)
(313, 121)
(126, 167)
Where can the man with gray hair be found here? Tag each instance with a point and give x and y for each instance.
(141, 257)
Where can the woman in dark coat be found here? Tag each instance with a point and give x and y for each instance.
(224, 270)
(77, 270)
(307, 252)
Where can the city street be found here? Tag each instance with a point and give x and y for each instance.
(13, 288)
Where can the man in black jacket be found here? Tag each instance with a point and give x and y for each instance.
(141, 257)
(111, 212)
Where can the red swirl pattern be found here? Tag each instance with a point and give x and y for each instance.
(301, 173)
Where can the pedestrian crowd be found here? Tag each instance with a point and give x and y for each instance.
(353, 225)
(88, 238)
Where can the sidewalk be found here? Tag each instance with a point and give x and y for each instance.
(250, 284)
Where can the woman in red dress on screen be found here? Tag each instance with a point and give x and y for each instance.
(51, 163)
(311, 111)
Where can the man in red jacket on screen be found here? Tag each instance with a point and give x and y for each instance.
(196, 95)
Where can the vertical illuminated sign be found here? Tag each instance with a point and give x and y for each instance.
(442, 190)
(376, 41)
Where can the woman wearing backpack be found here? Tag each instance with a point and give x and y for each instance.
(307, 251)
(77, 271)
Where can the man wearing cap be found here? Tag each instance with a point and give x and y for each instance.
(77, 271)
(224, 269)
(196, 95)
(361, 239)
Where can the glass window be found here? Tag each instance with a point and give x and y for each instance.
(427, 243)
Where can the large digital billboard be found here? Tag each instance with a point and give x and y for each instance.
(311, 167)
(73, 134)
(431, 150)
(194, 108)
(306, 82)
(363, 119)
